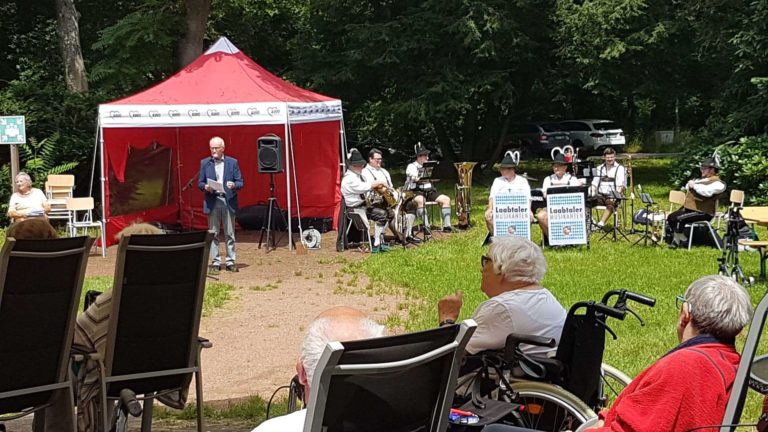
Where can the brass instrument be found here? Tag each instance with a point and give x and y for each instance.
(631, 193)
(383, 196)
(464, 192)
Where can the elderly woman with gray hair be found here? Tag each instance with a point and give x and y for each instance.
(688, 388)
(517, 303)
(26, 202)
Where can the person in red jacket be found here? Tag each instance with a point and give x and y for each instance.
(689, 386)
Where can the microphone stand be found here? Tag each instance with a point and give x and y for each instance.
(187, 187)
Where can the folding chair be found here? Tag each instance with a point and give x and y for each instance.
(59, 187)
(678, 198)
(400, 383)
(736, 199)
(81, 220)
(360, 224)
(40, 285)
(152, 344)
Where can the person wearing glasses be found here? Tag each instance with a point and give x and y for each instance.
(689, 386)
(374, 172)
(700, 201)
(611, 176)
(517, 303)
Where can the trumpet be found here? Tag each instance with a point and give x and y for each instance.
(464, 192)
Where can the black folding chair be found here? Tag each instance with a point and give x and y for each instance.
(40, 285)
(152, 344)
(399, 383)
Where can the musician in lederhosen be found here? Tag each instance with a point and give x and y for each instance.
(559, 177)
(424, 190)
(375, 172)
(700, 200)
(508, 181)
(354, 188)
(611, 176)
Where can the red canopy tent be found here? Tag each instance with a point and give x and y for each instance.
(152, 142)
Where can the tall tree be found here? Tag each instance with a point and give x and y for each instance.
(67, 27)
(191, 45)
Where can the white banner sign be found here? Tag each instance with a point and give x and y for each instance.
(511, 215)
(567, 219)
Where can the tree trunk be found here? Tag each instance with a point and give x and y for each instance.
(191, 45)
(68, 30)
(496, 155)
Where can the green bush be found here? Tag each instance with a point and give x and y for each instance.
(744, 164)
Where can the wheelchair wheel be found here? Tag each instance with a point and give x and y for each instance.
(612, 382)
(550, 408)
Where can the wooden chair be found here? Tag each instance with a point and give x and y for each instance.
(58, 188)
(40, 285)
(81, 220)
(736, 200)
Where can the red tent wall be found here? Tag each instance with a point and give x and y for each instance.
(316, 153)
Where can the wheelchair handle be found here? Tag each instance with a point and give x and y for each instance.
(640, 298)
(610, 311)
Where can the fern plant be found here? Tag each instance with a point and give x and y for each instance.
(41, 159)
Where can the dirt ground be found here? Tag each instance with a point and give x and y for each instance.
(256, 336)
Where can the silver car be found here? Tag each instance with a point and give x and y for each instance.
(595, 135)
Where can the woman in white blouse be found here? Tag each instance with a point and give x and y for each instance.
(27, 202)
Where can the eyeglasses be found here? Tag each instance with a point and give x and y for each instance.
(216, 147)
(679, 300)
(484, 260)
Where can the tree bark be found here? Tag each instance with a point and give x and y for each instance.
(191, 45)
(68, 29)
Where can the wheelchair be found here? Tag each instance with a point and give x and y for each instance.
(550, 394)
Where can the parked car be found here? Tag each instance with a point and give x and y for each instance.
(538, 137)
(595, 135)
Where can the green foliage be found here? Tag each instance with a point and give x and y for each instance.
(41, 159)
(138, 50)
(744, 164)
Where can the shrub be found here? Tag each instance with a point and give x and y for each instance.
(744, 164)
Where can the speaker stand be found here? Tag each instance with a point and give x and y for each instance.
(272, 207)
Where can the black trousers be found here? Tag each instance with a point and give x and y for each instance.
(677, 220)
(380, 215)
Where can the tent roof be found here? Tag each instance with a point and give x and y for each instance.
(222, 86)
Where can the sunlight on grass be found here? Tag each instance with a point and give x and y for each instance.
(439, 268)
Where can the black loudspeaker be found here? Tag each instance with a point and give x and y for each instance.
(270, 154)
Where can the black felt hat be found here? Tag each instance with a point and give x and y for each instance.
(419, 149)
(355, 158)
(511, 160)
(711, 163)
(559, 159)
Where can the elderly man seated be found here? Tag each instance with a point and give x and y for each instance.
(335, 324)
(688, 388)
(517, 303)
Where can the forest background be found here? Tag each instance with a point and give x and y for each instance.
(453, 74)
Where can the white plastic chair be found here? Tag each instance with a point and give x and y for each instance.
(81, 220)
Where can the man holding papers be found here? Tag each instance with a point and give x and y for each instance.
(220, 179)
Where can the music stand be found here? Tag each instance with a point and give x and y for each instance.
(272, 206)
(616, 231)
(649, 203)
(425, 177)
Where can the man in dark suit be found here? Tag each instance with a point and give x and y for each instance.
(220, 206)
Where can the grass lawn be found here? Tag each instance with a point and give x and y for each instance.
(436, 269)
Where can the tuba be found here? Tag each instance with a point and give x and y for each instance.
(464, 192)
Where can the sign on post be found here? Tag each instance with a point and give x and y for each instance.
(567, 219)
(13, 130)
(511, 214)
